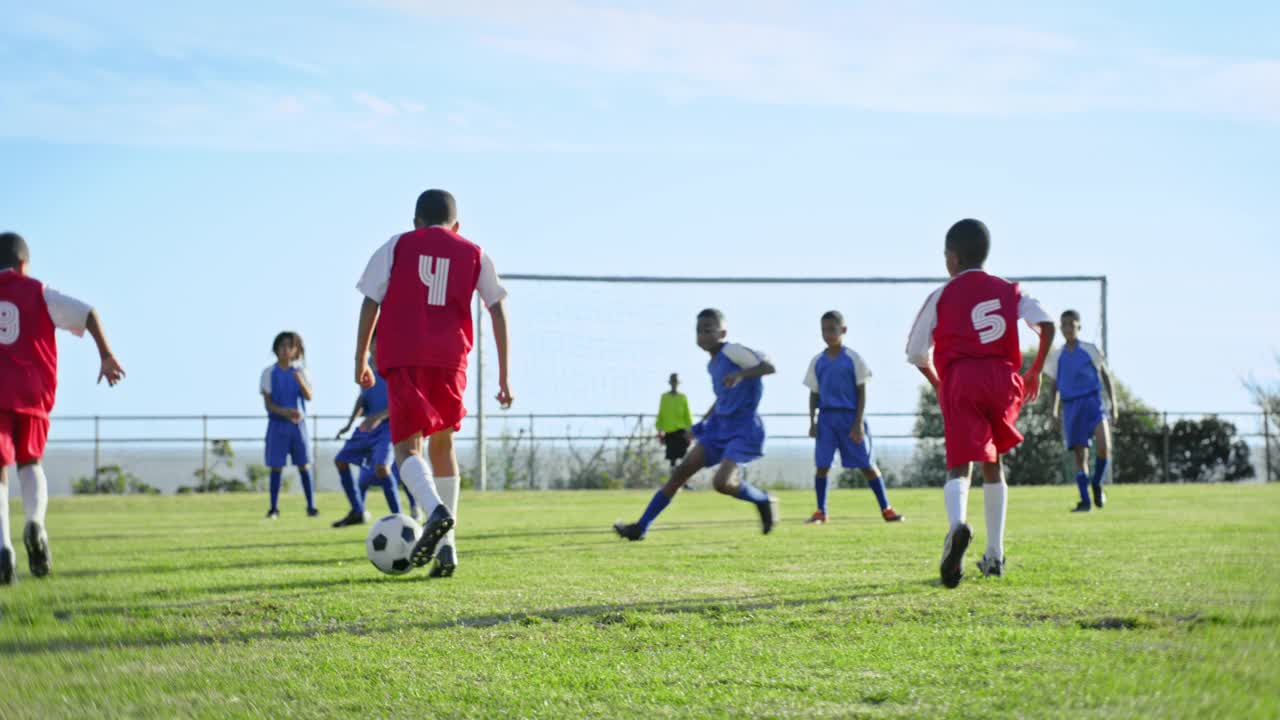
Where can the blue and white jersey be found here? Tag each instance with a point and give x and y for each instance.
(743, 398)
(374, 399)
(1078, 372)
(836, 379)
(283, 387)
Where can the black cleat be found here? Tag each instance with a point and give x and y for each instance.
(438, 525)
(632, 532)
(445, 563)
(312, 512)
(273, 514)
(39, 559)
(7, 575)
(953, 549)
(1099, 497)
(768, 514)
(1082, 506)
(352, 518)
(991, 568)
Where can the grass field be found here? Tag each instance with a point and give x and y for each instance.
(1166, 604)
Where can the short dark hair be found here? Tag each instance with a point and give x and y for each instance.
(833, 315)
(286, 336)
(436, 207)
(1070, 315)
(970, 240)
(711, 314)
(13, 250)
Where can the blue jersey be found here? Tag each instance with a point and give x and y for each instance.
(836, 379)
(374, 399)
(283, 387)
(1078, 371)
(743, 398)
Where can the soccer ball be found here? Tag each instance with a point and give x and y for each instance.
(390, 543)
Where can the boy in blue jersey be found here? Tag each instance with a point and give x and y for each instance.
(837, 382)
(1078, 373)
(730, 435)
(285, 392)
(370, 448)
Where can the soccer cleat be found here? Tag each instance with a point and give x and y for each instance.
(1099, 497)
(352, 518)
(991, 568)
(768, 514)
(1082, 506)
(438, 525)
(891, 515)
(273, 514)
(818, 518)
(632, 532)
(7, 575)
(952, 568)
(312, 512)
(445, 563)
(39, 559)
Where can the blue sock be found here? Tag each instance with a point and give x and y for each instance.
(820, 487)
(751, 493)
(1082, 482)
(1099, 470)
(391, 493)
(413, 504)
(307, 490)
(656, 506)
(363, 483)
(349, 487)
(877, 486)
(275, 490)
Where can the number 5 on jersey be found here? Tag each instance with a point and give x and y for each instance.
(987, 321)
(436, 280)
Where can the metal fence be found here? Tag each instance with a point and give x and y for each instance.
(188, 432)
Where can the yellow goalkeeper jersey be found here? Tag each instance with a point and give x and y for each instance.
(673, 413)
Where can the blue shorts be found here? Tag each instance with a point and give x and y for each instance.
(833, 434)
(1080, 417)
(286, 440)
(367, 449)
(727, 437)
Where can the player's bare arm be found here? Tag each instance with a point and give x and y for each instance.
(1031, 380)
(1111, 396)
(1057, 398)
(290, 414)
(364, 338)
(371, 422)
(856, 433)
(303, 386)
(501, 338)
(813, 414)
(110, 369)
(763, 368)
(931, 374)
(355, 412)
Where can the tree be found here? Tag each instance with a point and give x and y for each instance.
(111, 480)
(1208, 450)
(1267, 398)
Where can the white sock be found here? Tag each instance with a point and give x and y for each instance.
(995, 501)
(449, 490)
(5, 541)
(956, 494)
(35, 492)
(416, 475)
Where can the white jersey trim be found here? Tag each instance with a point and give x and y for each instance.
(743, 356)
(67, 312)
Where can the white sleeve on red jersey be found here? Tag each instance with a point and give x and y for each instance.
(811, 375)
(1029, 309)
(743, 356)
(920, 341)
(66, 312)
(489, 285)
(861, 370)
(377, 274)
(264, 385)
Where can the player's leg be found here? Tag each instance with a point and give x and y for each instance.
(29, 436)
(728, 480)
(417, 476)
(995, 504)
(274, 456)
(861, 456)
(347, 455)
(302, 460)
(414, 512)
(7, 564)
(444, 461)
(1080, 457)
(824, 452)
(380, 475)
(694, 461)
(1102, 441)
(822, 492)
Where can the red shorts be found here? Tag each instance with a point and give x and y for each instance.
(980, 402)
(22, 437)
(424, 400)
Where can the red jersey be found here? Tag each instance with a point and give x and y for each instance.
(424, 280)
(28, 349)
(974, 316)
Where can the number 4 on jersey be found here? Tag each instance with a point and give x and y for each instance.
(987, 321)
(437, 280)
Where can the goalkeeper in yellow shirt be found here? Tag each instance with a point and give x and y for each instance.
(674, 422)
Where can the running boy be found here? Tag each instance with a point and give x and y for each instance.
(732, 433)
(837, 382)
(285, 393)
(29, 313)
(1078, 374)
(417, 290)
(965, 342)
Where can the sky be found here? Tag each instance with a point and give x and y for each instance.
(208, 176)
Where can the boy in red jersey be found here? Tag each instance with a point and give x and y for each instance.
(29, 313)
(965, 341)
(418, 288)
